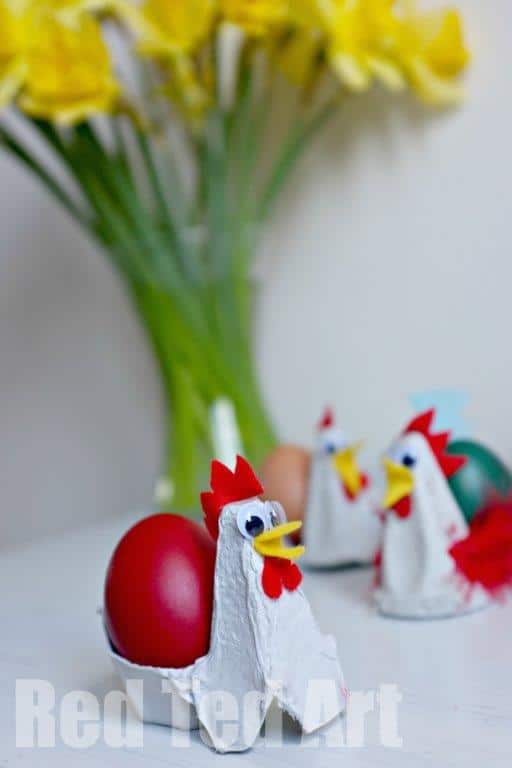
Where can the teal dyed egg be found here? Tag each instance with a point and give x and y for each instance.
(484, 475)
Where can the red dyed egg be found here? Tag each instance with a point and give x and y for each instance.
(159, 592)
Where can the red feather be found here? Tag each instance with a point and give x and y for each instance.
(450, 464)
(327, 419)
(484, 557)
(421, 423)
(227, 487)
(438, 442)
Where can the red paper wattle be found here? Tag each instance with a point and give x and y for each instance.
(403, 507)
(159, 592)
(279, 574)
(365, 482)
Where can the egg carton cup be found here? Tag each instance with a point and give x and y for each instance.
(441, 606)
(161, 704)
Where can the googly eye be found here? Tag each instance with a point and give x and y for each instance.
(403, 455)
(408, 460)
(277, 514)
(252, 521)
(330, 448)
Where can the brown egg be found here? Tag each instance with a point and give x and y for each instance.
(284, 474)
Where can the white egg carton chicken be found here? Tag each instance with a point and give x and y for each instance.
(417, 574)
(342, 524)
(265, 644)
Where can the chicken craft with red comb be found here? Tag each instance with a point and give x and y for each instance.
(432, 564)
(264, 641)
(342, 525)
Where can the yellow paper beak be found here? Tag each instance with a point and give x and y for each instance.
(270, 543)
(400, 483)
(345, 464)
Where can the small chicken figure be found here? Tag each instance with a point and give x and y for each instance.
(418, 576)
(342, 525)
(264, 640)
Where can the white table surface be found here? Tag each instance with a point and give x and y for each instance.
(455, 676)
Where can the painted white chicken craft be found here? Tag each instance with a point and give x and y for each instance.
(342, 524)
(265, 643)
(417, 574)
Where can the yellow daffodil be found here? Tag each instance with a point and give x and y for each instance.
(189, 89)
(355, 36)
(69, 75)
(256, 17)
(311, 13)
(53, 54)
(174, 27)
(298, 56)
(172, 32)
(12, 48)
(300, 51)
(432, 52)
(362, 43)
(69, 12)
(391, 41)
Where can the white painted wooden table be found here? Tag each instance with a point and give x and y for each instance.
(455, 676)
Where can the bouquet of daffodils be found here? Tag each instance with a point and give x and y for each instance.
(156, 124)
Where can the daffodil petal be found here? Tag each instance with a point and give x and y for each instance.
(67, 113)
(351, 73)
(69, 73)
(123, 10)
(434, 90)
(165, 28)
(257, 17)
(11, 81)
(387, 72)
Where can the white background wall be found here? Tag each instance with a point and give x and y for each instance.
(387, 269)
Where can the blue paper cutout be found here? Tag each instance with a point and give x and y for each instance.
(450, 405)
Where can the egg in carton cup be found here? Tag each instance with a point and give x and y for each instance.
(160, 703)
(264, 646)
(434, 564)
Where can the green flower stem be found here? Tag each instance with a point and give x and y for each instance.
(193, 298)
(301, 136)
(189, 392)
(54, 187)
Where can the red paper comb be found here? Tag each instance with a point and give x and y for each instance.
(438, 442)
(226, 487)
(327, 419)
